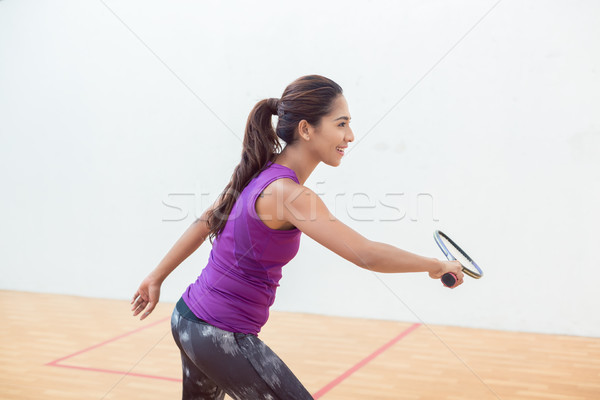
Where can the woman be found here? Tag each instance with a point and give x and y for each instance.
(256, 223)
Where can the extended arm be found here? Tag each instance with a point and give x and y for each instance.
(147, 296)
(304, 209)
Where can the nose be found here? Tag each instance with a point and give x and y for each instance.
(350, 136)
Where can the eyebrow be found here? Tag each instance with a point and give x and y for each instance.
(343, 117)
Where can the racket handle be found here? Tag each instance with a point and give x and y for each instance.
(449, 279)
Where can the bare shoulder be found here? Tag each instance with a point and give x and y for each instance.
(270, 202)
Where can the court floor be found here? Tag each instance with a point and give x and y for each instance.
(66, 347)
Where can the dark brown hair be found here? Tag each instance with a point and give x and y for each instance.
(308, 98)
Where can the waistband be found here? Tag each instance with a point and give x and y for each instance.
(186, 313)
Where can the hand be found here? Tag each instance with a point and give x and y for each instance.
(449, 266)
(146, 297)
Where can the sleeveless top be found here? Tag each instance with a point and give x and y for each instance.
(237, 286)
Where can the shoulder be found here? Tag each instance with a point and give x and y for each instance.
(284, 191)
(285, 195)
(274, 199)
(286, 185)
(290, 190)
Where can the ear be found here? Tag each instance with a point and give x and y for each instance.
(304, 129)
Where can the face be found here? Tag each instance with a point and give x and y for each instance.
(332, 135)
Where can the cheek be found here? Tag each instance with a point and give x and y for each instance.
(334, 136)
(325, 141)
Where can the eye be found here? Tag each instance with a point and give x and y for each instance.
(342, 124)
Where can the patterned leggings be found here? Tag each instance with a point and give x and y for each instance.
(216, 362)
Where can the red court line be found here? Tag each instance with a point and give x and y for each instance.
(364, 361)
(160, 321)
(110, 371)
(55, 363)
(317, 395)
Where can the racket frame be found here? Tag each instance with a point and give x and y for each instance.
(437, 235)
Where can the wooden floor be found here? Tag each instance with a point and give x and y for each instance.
(64, 347)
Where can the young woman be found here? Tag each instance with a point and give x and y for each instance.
(256, 223)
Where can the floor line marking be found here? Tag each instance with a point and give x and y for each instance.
(111, 371)
(365, 361)
(160, 321)
(318, 394)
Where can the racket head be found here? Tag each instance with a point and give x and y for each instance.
(453, 252)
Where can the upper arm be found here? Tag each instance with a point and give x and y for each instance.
(304, 209)
(201, 223)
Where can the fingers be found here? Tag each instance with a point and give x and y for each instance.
(459, 279)
(139, 305)
(145, 299)
(135, 296)
(455, 268)
(139, 301)
(144, 306)
(139, 308)
(459, 274)
(148, 310)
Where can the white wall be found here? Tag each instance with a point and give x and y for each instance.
(108, 119)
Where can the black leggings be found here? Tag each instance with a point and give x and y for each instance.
(216, 362)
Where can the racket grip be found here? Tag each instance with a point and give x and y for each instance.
(449, 279)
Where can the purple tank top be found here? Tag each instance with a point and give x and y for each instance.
(238, 284)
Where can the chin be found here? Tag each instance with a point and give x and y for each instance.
(335, 163)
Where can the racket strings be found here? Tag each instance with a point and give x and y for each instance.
(470, 267)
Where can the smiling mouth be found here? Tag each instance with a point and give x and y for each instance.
(340, 150)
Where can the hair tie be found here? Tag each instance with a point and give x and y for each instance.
(273, 105)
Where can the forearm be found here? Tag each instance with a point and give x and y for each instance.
(189, 242)
(390, 259)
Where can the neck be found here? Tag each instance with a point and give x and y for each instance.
(299, 160)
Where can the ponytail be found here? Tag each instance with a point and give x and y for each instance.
(260, 146)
